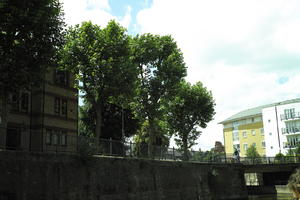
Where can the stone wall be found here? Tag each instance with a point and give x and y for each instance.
(37, 176)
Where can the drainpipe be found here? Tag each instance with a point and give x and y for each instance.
(277, 129)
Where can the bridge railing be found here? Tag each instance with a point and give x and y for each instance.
(269, 160)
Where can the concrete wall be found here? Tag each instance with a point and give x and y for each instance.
(28, 176)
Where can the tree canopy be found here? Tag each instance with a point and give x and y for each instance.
(161, 68)
(192, 108)
(30, 33)
(101, 60)
(252, 152)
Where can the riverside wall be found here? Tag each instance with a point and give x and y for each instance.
(39, 176)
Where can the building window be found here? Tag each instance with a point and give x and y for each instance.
(235, 135)
(64, 107)
(15, 102)
(253, 132)
(271, 147)
(48, 136)
(269, 121)
(24, 102)
(63, 138)
(60, 107)
(61, 77)
(245, 147)
(56, 137)
(289, 113)
(270, 133)
(263, 144)
(252, 119)
(20, 102)
(244, 134)
(262, 131)
(254, 144)
(57, 106)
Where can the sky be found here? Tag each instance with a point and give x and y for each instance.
(247, 52)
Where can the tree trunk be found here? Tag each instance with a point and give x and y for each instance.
(98, 126)
(185, 149)
(151, 138)
(4, 110)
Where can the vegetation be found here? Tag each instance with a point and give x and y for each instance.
(294, 182)
(192, 108)
(30, 34)
(101, 61)
(130, 85)
(252, 152)
(161, 68)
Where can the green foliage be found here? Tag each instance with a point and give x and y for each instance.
(297, 150)
(279, 157)
(142, 138)
(252, 152)
(293, 183)
(208, 156)
(101, 60)
(192, 108)
(30, 33)
(161, 68)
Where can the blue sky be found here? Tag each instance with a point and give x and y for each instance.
(246, 52)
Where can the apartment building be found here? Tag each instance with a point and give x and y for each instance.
(45, 118)
(272, 128)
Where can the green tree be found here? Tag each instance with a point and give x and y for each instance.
(252, 152)
(161, 139)
(161, 68)
(192, 108)
(101, 60)
(30, 34)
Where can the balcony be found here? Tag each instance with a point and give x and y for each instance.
(290, 116)
(291, 130)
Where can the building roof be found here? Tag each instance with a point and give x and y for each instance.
(256, 111)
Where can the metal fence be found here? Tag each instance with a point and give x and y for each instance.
(61, 141)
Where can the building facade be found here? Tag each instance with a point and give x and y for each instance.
(45, 118)
(272, 129)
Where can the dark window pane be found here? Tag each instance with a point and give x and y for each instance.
(48, 136)
(64, 107)
(61, 77)
(63, 138)
(57, 106)
(24, 102)
(15, 102)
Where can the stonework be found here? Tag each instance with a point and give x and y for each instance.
(29, 176)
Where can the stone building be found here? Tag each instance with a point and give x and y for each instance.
(45, 118)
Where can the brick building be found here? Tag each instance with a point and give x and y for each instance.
(45, 118)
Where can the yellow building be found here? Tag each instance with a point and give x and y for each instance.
(243, 130)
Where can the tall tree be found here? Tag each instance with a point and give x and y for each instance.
(30, 33)
(192, 108)
(101, 60)
(161, 68)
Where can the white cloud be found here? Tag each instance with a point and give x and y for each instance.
(97, 11)
(238, 49)
(125, 21)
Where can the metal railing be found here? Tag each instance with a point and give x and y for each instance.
(291, 130)
(57, 141)
(290, 116)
